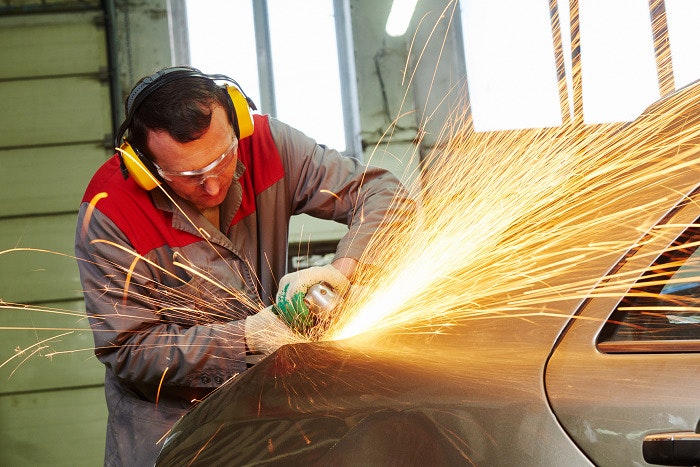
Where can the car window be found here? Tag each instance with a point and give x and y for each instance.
(662, 311)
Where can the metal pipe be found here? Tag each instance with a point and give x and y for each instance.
(115, 89)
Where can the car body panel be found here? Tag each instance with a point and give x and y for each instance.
(328, 404)
(608, 402)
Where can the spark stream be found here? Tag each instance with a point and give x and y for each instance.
(512, 223)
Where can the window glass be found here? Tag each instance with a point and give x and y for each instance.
(665, 303)
(510, 59)
(306, 72)
(683, 17)
(618, 65)
(510, 63)
(305, 65)
(222, 41)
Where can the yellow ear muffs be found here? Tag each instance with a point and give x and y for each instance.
(137, 168)
(243, 111)
(132, 163)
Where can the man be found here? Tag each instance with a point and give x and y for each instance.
(182, 242)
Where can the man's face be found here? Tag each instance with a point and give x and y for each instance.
(200, 171)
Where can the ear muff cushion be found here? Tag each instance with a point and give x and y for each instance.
(242, 109)
(137, 169)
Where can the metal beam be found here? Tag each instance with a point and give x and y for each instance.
(662, 47)
(266, 78)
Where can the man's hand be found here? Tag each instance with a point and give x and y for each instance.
(293, 288)
(265, 332)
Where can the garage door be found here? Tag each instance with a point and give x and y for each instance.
(55, 118)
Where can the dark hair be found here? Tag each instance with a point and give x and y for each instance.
(182, 107)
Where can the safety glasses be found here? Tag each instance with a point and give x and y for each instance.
(199, 176)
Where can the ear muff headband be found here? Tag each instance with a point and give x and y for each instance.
(133, 162)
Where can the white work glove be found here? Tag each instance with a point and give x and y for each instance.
(265, 332)
(292, 290)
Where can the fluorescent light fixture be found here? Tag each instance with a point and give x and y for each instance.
(399, 17)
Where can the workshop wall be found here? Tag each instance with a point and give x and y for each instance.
(56, 115)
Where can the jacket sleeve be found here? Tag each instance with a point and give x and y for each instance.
(139, 334)
(325, 184)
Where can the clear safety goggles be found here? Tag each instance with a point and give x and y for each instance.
(199, 176)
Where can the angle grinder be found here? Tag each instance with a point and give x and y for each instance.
(311, 313)
(321, 300)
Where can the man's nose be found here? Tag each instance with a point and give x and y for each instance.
(211, 185)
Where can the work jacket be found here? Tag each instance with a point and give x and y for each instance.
(167, 293)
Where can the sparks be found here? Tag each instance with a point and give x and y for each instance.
(505, 218)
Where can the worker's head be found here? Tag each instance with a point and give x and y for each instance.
(183, 128)
(181, 107)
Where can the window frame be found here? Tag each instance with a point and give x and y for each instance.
(566, 39)
(346, 64)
